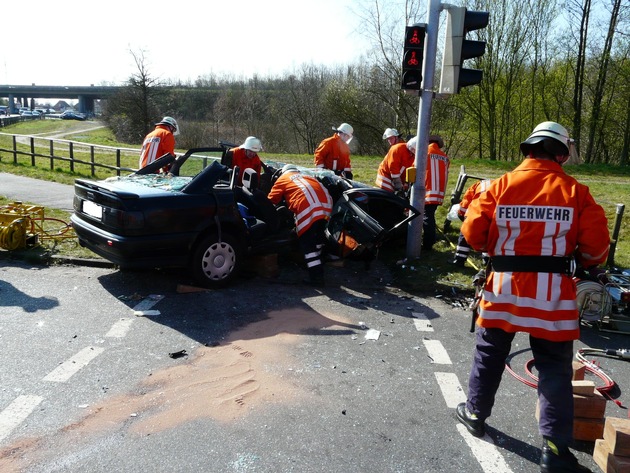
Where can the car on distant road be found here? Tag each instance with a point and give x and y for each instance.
(72, 115)
(197, 217)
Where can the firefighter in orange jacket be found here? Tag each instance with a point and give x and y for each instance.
(463, 248)
(246, 158)
(532, 222)
(311, 203)
(392, 136)
(435, 184)
(390, 172)
(159, 142)
(334, 153)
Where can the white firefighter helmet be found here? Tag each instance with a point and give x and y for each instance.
(253, 144)
(345, 128)
(412, 144)
(555, 139)
(289, 168)
(170, 121)
(389, 132)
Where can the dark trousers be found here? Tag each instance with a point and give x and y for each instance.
(462, 251)
(553, 361)
(429, 226)
(311, 243)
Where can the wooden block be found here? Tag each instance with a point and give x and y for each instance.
(185, 289)
(583, 388)
(578, 370)
(266, 266)
(617, 435)
(608, 462)
(590, 407)
(583, 428)
(588, 430)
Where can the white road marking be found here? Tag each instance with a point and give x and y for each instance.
(64, 371)
(15, 413)
(437, 352)
(422, 322)
(148, 302)
(485, 452)
(451, 389)
(120, 328)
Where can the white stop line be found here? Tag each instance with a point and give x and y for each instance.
(15, 413)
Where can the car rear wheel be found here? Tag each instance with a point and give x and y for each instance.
(216, 263)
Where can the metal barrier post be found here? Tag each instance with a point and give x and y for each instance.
(32, 151)
(71, 149)
(52, 154)
(615, 236)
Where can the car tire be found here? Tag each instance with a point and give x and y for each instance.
(216, 263)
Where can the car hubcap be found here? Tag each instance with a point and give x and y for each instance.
(218, 261)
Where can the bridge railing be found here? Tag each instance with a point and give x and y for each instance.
(67, 155)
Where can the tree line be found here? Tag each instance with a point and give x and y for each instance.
(565, 61)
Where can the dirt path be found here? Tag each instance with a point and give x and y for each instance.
(72, 129)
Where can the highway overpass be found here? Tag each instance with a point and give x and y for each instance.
(25, 95)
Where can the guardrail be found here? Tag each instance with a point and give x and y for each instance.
(72, 153)
(12, 119)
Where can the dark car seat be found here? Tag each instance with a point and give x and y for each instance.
(226, 159)
(259, 206)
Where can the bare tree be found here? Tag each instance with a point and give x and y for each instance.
(581, 13)
(132, 113)
(304, 106)
(595, 124)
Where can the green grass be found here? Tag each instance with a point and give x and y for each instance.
(431, 273)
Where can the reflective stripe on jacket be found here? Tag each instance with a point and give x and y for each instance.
(305, 197)
(536, 209)
(398, 159)
(156, 144)
(333, 153)
(437, 175)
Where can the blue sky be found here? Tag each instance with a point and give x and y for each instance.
(74, 42)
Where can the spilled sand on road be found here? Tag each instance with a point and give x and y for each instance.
(252, 368)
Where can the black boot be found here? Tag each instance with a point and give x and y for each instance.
(559, 459)
(458, 261)
(316, 276)
(475, 425)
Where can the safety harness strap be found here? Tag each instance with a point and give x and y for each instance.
(533, 264)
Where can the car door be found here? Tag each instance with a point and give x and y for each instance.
(364, 218)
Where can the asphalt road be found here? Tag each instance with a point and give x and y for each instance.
(105, 370)
(35, 191)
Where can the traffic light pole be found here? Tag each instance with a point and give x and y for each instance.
(418, 191)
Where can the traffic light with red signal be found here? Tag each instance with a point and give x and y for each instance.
(413, 52)
(457, 49)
